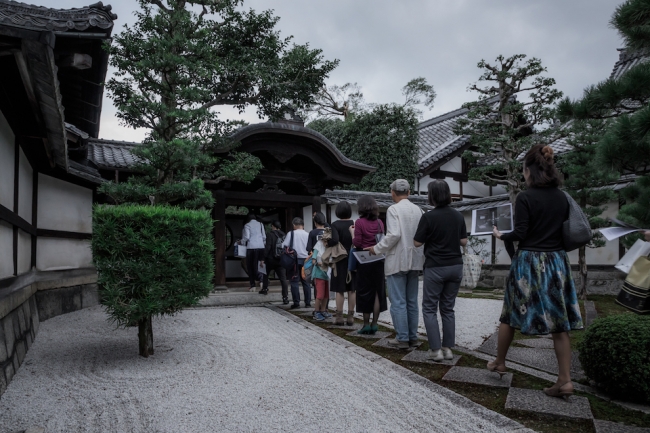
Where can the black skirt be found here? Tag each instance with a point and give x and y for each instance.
(370, 283)
(338, 283)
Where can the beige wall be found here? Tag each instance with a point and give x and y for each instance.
(63, 206)
(7, 162)
(55, 254)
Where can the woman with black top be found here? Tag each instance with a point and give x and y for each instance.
(540, 295)
(339, 283)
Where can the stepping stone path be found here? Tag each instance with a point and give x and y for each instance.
(480, 376)
(377, 335)
(346, 327)
(613, 427)
(530, 400)
(384, 343)
(537, 343)
(590, 313)
(421, 356)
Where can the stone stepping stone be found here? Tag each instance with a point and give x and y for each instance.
(590, 313)
(377, 335)
(480, 376)
(384, 343)
(536, 343)
(530, 400)
(421, 356)
(308, 314)
(613, 427)
(346, 327)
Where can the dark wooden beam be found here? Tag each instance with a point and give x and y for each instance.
(13, 219)
(16, 194)
(219, 215)
(254, 199)
(45, 233)
(316, 204)
(34, 212)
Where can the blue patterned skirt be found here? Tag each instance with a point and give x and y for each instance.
(540, 295)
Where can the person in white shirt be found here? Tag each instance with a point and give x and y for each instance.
(254, 237)
(300, 238)
(402, 265)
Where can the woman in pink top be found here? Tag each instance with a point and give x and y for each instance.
(371, 289)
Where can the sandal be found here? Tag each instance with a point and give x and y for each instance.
(562, 391)
(497, 368)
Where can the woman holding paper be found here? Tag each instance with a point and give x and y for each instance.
(371, 289)
(540, 296)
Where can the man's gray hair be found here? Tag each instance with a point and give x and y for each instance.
(297, 221)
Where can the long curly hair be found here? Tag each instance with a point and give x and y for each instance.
(541, 165)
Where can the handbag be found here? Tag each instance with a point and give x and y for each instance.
(240, 251)
(471, 270)
(635, 293)
(307, 269)
(352, 260)
(576, 230)
(289, 257)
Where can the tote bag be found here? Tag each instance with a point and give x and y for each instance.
(576, 230)
(471, 270)
(289, 258)
(635, 294)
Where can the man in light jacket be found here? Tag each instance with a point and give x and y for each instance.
(402, 265)
(254, 237)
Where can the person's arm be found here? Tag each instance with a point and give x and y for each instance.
(421, 233)
(392, 235)
(335, 237)
(310, 241)
(647, 235)
(246, 234)
(287, 240)
(463, 242)
(268, 247)
(357, 233)
(463, 233)
(522, 217)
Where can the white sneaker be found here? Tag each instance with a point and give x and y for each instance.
(435, 355)
(447, 353)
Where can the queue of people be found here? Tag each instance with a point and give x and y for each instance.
(540, 295)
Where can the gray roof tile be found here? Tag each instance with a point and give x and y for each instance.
(111, 154)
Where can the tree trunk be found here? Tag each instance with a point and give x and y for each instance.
(145, 336)
(582, 264)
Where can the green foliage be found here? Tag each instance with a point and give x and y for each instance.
(631, 19)
(175, 65)
(418, 92)
(615, 352)
(151, 260)
(515, 101)
(384, 137)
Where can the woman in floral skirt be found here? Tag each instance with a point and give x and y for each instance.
(540, 295)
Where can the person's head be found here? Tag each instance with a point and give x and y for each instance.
(368, 207)
(539, 168)
(343, 210)
(319, 219)
(250, 217)
(439, 193)
(275, 225)
(399, 190)
(298, 223)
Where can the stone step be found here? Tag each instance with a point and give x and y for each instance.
(346, 327)
(377, 335)
(384, 343)
(590, 313)
(421, 356)
(530, 400)
(536, 343)
(614, 427)
(479, 376)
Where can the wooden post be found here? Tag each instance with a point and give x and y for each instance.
(219, 215)
(316, 205)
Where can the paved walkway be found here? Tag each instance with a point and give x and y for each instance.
(229, 369)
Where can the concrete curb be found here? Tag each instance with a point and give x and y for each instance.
(506, 423)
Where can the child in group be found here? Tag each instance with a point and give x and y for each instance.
(320, 277)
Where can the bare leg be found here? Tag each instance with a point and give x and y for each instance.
(340, 299)
(317, 304)
(352, 300)
(562, 345)
(375, 311)
(506, 334)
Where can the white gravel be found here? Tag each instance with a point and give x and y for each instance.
(476, 319)
(218, 370)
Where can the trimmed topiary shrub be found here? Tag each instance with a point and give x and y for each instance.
(615, 352)
(151, 261)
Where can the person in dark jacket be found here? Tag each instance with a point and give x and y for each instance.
(273, 263)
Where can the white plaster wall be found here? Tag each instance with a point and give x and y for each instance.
(7, 162)
(63, 206)
(24, 252)
(6, 250)
(25, 185)
(308, 218)
(455, 165)
(54, 254)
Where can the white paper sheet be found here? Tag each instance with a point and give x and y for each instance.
(364, 257)
(612, 233)
(484, 219)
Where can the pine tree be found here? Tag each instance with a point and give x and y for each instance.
(516, 101)
(175, 66)
(584, 181)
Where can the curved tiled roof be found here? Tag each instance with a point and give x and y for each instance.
(628, 59)
(111, 155)
(62, 20)
(284, 128)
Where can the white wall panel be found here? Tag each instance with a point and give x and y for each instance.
(53, 254)
(24, 252)
(455, 165)
(6, 250)
(7, 163)
(25, 185)
(63, 206)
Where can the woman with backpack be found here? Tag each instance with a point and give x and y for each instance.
(540, 296)
(272, 254)
(371, 288)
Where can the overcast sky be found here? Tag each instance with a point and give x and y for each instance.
(381, 44)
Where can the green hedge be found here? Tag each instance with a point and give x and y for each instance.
(615, 353)
(151, 260)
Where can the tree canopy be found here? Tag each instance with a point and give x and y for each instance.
(176, 65)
